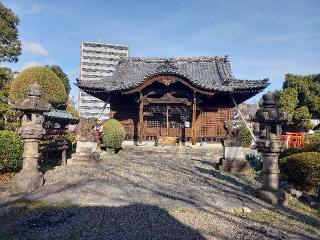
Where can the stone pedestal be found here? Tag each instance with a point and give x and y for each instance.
(233, 158)
(86, 154)
(29, 178)
(227, 165)
(27, 181)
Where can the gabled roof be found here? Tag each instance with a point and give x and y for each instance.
(209, 73)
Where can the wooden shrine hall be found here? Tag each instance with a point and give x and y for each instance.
(183, 98)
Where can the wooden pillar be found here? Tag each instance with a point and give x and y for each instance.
(65, 145)
(64, 154)
(193, 126)
(167, 120)
(140, 121)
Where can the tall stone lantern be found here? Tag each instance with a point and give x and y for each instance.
(31, 131)
(271, 117)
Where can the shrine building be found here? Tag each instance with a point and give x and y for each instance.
(185, 98)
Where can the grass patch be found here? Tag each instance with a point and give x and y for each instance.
(305, 218)
(10, 234)
(298, 214)
(23, 207)
(312, 214)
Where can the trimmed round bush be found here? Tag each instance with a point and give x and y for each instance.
(303, 169)
(52, 88)
(245, 136)
(113, 134)
(11, 149)
(289, 151)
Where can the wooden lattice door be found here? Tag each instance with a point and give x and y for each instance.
(166, 120)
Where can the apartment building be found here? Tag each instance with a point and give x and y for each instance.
(97, 60)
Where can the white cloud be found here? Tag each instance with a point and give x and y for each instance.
(29, 64)
(34, 48)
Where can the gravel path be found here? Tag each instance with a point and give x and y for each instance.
(145, 193)
(161, 178)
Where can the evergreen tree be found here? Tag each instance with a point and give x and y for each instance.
(60, 73)
(10, 45)
(301, 98)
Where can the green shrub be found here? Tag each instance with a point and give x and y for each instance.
(289, 151)
(303, 169)
(245, 136)
(11, 149)
(255, 161)
(73, 111)
(71, 141)
(71, 136)
(113, 134)
(52, 88)
(313, 143)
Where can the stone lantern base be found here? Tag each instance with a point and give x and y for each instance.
(233, 157)
(27, 181)
(234, 165)
(274, 198)
(86, 154)
(270, 191)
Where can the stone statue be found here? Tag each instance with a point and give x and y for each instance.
(85, 130)
(231, 131)
(233, 158)
(86, 151)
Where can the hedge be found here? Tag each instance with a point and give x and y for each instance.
(11, 149)
(52, 88)
(113, 134)
(313, 143)
(303, 169)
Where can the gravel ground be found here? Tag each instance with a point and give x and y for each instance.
(148, 193)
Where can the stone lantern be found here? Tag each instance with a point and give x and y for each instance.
(271, 117)
(31, 131)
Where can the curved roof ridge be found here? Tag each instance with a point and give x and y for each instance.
(213, 73)
(175, 59)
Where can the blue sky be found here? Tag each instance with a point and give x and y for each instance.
(264, 39)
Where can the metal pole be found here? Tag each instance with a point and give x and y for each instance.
(242, 117)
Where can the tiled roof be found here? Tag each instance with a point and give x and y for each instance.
(60, 114)
(209, 73)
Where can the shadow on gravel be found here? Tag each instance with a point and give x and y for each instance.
(216, 174)
(136, 221)
(286, 211)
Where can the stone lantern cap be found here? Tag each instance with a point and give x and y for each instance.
(270, 112)
(33, 103)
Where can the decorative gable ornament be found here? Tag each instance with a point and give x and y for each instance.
(168, 66)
